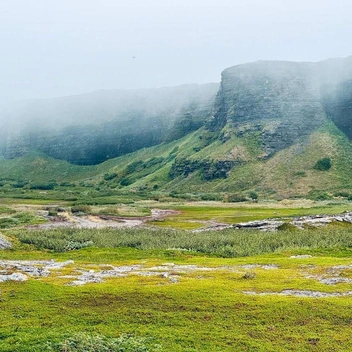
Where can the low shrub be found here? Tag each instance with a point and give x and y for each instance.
(52, 211)
(253, 195)
(322, 196)
(125, 182)
(19, 184)
(249, 275)
(300, 174)
(226, 243)
(108, 177)
(323, 164)
(81, 208)
(234, 198)
(43, 186)
(8, 222)
(342, 194)
(211, 196)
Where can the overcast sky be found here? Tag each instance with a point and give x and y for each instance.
(63, 47)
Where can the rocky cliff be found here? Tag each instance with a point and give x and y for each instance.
(275, 103)
(91, 128)
(284, 102)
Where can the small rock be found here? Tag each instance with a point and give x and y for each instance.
(335, 280)
(301, 293)
(13, 277)
(4, 243)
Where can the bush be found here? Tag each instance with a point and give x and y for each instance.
(227, 243)
(8, 222)
(125, 182)
(19, 184)
(52, 211)
(249, 275)
(108, 177)
(211, 196)
(43, 186)
(67, 184)
(173, 194)
(81, 208)
(342, 194)
(300, 174)
(110, 211)
(134, 166)
(323, 164)
(253, 195)
(322, 196)
(234, 198)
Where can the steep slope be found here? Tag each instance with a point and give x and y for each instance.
(289, 173)
(269, 127)
(284, 101)
(91, 128)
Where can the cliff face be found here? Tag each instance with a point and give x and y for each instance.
(284, 101)
(339, 107)
(91, 128)
(279, 103)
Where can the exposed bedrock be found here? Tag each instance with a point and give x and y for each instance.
(4, 243)
(91, 128)
(278, 102)
(284, 101)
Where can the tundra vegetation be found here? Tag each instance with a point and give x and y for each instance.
(164, 287)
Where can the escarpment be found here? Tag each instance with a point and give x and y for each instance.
(91, 128)
(283, 102)
(277, 103)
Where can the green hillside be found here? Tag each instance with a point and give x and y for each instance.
(274, 129)
(203, 163)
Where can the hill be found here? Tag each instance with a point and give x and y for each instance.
(91, 128)
(274, 129)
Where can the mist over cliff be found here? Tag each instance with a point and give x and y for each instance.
(284, 101)
(278, 102)
(91, 128)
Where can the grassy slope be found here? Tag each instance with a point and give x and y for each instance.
(291, 171)
(41, 168)
(288, 173)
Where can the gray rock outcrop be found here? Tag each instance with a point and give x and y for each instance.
(277, 102)
(283, 102)
(4, 243)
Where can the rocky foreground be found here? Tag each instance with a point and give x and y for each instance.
(78, 274)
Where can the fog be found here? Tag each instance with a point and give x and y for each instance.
(57, 48)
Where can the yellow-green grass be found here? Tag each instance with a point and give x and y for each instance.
(204, 311)
(236, 213)
(122, 210)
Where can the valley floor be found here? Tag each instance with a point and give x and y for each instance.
(184, 302)
(230, 290)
